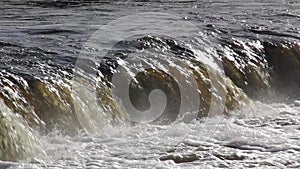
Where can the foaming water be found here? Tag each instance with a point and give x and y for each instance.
(17, 139)
(260, 136)
(254, 43)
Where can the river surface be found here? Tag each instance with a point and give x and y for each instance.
(47, 41)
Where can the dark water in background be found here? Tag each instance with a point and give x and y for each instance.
(40, 42)
(53, 32)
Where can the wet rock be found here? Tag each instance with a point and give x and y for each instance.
(152, 79)
(180, 158)
(14, 92)
(43, 104)
(284, 59)
(53, 104)
(229, 156)
(202, 148)
(261, 68)
(244, 63)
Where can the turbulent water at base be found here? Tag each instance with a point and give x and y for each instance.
(244, 57)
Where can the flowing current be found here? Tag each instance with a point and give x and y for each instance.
(149, 84)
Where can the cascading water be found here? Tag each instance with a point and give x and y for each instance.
(90, 84)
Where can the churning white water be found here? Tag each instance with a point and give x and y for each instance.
(258, 136)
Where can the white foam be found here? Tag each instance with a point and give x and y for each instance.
(256, 136)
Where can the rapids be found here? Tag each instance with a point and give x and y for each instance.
(149, 84)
